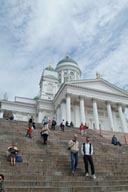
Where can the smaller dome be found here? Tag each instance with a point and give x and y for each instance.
(67, 59)
(50, 68)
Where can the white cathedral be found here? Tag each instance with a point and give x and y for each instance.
(64, 95)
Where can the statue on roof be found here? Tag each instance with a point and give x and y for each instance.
(50, 68)
(98, 75)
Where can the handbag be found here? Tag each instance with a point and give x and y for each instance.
(19, 158)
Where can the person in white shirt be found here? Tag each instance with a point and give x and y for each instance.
(73, 146)
(62, 125)
(45, 133)
(87, 152)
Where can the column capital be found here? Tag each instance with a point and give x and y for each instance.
(63, 101)
(118, 104)
(108, 102)
(81, 97)
(93, 100)
(68, 94)
(58, 106)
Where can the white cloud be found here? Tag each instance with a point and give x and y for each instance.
(115, 66)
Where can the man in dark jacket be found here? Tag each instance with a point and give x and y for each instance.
(87, 152)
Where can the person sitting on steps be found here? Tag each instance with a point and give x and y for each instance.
(115, 141)
(71, 124)
(13, 150)
(67, 124)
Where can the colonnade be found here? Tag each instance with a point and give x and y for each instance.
(66, 113)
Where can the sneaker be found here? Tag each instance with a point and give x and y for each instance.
(87, 175)
(93, 176)
(73, 173)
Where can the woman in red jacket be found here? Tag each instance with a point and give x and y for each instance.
(82, 129)
(29, 132)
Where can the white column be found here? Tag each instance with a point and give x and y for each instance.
(1, 115)
(123, 120)
(115, 120)
(40, 117)
(76, 117)
(62, 76)
(75, 76)
(109, 110)
(95, 113)
(58, 115)
(68, 108)
(82, 110)
(63, 110)
(126, 113)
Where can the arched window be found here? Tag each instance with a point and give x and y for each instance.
(72, 75)
(65, 76)
(50, 87)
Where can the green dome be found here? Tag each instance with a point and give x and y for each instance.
(50, 68)
(67, 59)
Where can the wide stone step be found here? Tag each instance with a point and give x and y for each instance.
(87, 182)
(43, 163)
(37, 177)
(69, 189)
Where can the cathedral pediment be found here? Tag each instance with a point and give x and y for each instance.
(100, 85)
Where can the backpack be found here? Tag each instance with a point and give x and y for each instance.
(19, 159)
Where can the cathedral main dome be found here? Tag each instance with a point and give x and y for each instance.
(68, 70)
(68, 60)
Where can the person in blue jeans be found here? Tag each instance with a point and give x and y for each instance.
(73, 146)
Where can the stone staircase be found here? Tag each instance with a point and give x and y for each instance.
(47, 168)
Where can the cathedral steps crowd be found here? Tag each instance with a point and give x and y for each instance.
(47, 168)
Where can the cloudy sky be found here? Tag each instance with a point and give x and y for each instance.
(36, 33)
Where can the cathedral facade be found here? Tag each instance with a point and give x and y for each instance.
(64, 95)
